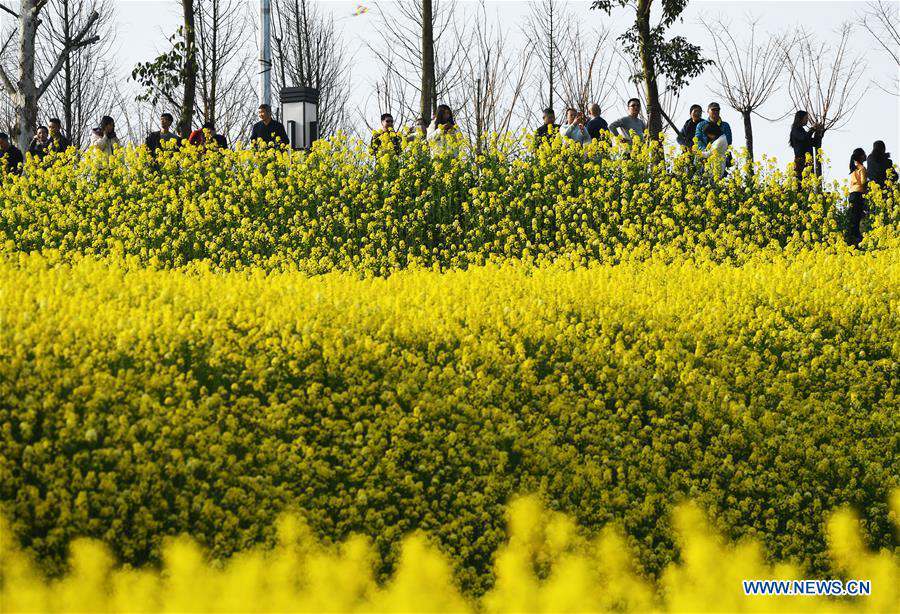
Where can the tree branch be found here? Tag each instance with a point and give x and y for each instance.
(80, 40)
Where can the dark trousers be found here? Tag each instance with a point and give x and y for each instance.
(854, 217)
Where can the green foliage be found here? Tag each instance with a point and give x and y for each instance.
(676, 59)
(163, 77)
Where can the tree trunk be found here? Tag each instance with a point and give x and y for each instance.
(550, 56)
(654, 119)
(190, 70)
(428, 104)
(67, 74)
(748, 132)
(26, 98)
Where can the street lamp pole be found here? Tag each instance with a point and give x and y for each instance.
(265, 52)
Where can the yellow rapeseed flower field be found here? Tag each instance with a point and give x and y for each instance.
(442, 381)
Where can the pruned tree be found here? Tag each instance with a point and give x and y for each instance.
(746, 73)
(676, 60)
(399, 50)
(880, 19)
(588, 72)
(493, 76)
(543, 30)
(86, 85)
(309, 52)
(224, 65)
(824, 79)
(26, 87)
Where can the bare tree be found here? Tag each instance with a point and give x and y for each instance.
(547, 20)
(493, 76)
(28, 88)
(309, 52)
(824, 79)
(586, 73)
(86, 84)
(880, 20)
(748, 73)
(224, 65)
(399, 50)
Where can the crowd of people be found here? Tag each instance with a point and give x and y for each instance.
(707, 136)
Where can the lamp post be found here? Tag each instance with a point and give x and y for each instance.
(265, 52)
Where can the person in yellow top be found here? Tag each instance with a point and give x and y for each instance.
(857, 210)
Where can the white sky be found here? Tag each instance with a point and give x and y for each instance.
(145, 24)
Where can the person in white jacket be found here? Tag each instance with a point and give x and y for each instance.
(575, 128)
(442, 130)
(104, 137)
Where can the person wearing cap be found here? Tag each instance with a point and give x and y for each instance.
(713, 116)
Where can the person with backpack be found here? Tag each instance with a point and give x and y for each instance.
(716, 145)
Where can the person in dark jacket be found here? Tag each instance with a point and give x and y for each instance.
(804, 142)
(40, 142)
(58, 141)
(596, 126)
(156, 138)
(686, 136)
(386, 136)
(879, 164)
(11, 158)
(548, 129)
(268, 130)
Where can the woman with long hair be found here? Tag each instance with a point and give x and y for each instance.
(804, 142)
(857, 196)
(443, 128)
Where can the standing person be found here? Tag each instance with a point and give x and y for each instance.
(574, 127)
(714, 116)
(58, 141)
(857, 196)
(879, 164)
(156, 138)
(624, 126)
(11, 156)
(597, 126)
(268, 130)
(103, 137)
(442, 128)
(40, 143)
(547, 129)
(686, 136)
(803, 142)
(386, 135)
